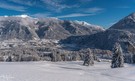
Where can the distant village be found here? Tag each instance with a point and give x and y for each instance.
(31, 43)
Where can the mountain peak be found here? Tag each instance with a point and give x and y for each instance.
(82, 22)
(25, 27)
(131, 16)
(22, 16)
(127, 23)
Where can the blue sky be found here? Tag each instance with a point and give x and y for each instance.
(100, 12)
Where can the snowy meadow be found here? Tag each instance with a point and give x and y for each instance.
(64, 71)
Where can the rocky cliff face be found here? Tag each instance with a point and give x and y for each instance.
(26, 28)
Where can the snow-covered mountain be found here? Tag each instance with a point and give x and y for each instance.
(25, 27)
(122, 32)
(126, 23)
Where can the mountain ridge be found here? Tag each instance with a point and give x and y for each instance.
(24, 26)
(105, 40)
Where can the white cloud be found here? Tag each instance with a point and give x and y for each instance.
(24, 2)
(56, 5)
(74, 15)
(86, 0)
(50, 15)
(41, 15)
(12, 7)
(112, 23)
(124, 7)
(53, 5)
(94, 10)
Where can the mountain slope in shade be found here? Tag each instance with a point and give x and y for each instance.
(102, 40)
(26, 28)
(122, 32)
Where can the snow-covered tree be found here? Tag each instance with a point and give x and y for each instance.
(89, 58)
(9, 59)
(117, 59)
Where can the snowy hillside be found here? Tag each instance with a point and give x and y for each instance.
(64, 71)
(25, 27)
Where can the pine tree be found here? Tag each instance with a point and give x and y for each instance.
(117, 59)
(89, 58)
(9, 59)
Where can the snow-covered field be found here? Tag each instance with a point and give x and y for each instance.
(64, 71)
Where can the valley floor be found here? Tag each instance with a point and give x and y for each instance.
(64, 71)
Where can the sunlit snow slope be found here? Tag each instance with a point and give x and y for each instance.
(64, 71)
